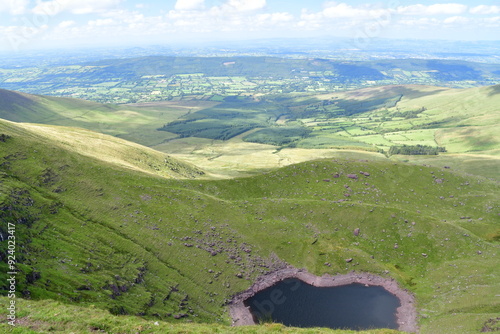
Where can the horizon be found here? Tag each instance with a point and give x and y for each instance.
(60, 24)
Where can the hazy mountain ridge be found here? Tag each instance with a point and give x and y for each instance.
(159, 78)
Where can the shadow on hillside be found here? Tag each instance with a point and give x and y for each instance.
(373, 98)
(494, 90)
(390, 91)
(10, 98)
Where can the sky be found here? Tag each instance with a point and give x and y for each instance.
(36, 24)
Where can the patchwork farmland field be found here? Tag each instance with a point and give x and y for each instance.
(149, 79)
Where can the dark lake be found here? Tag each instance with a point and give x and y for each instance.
(354, 306)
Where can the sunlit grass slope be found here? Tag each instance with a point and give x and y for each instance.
(135, 123)
(107, 149)
(463, 121)
(55, 317)
(92, 232)
(467, 119)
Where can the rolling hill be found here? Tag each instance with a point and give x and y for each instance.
(106, 149)
(229, 137)
(126, 121)
(96, 226)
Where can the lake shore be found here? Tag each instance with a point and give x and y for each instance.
(406, 313)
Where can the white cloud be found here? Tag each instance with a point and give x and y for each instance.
(66, 24)
(423, 22)
(101, 22)
(457, 20)
(48, 8)
(13, 7)
(485, 10)
(55, 7)
(343, 10)
(341, 16)
(247, 5)
(18, 37)
(230, 16)
(447, 8)
(275, 17)
(248, 17)
(492, 22)
(436, 9)
(189, 4)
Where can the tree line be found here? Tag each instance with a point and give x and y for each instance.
(416, 150)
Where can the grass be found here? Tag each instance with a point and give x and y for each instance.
(462, 121)
(91, 232)
(136, 123)
(483, 164)
(50, 316)
(278, 136)
(107, 149)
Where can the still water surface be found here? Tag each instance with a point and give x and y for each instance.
(354, 306)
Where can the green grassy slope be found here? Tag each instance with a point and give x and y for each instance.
(466, 118)
(49, 316)
(104, 148)
(465, 122)
(462, 120)
(222, 136)
(135, 123)
(95, 233)
(21, 107)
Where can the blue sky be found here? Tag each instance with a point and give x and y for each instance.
(32, 24)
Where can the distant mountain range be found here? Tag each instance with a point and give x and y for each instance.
(157, 78)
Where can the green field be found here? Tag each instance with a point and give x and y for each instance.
(94, 232)
(144, 193)
(242, 135)
(158, 78)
